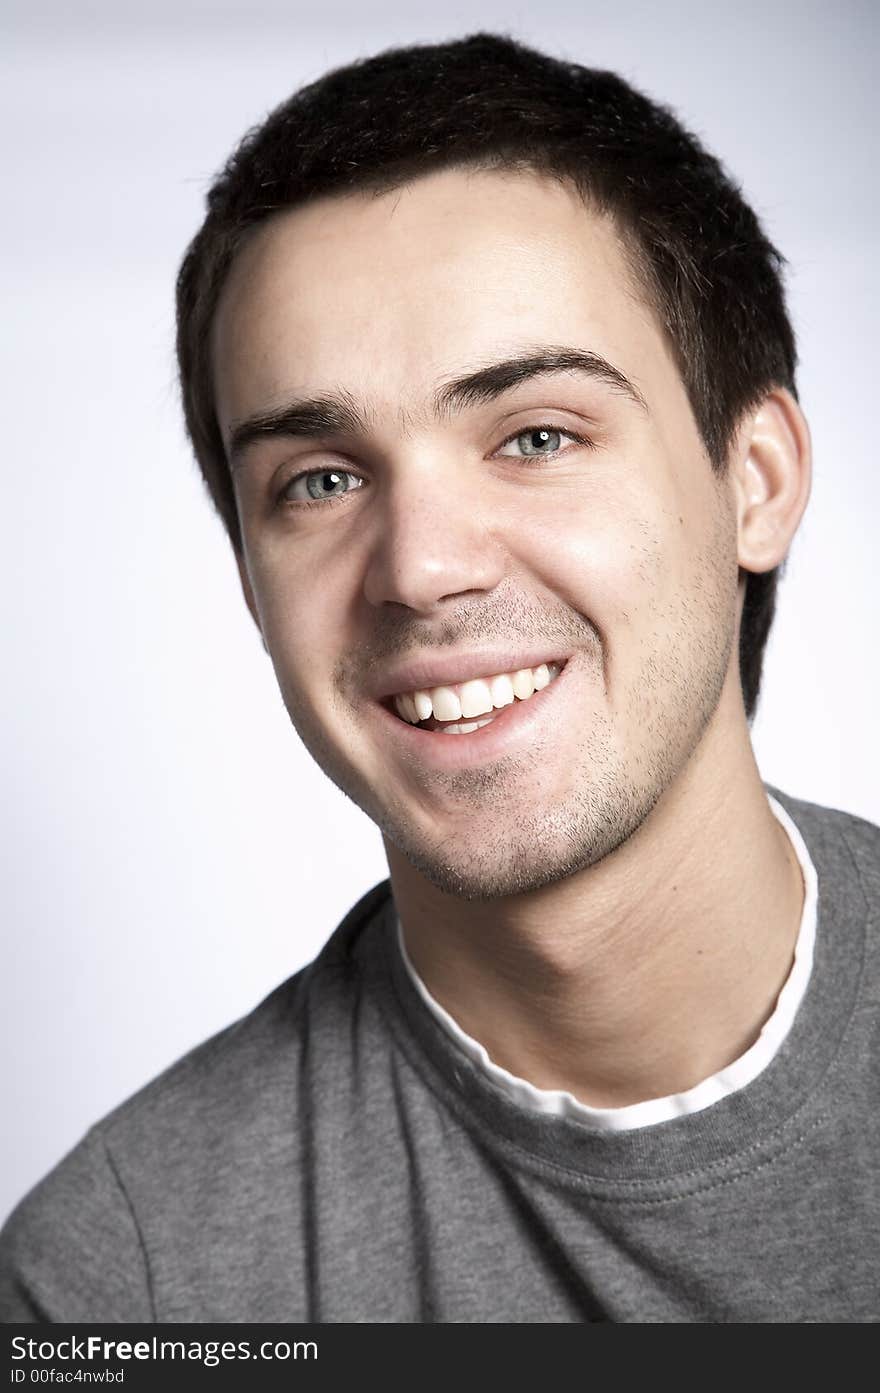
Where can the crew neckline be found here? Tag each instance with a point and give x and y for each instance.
(780, 1105)
(738, 1074)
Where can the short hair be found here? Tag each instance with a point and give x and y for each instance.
(708, 269)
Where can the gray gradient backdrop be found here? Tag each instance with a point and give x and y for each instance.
(170, 852)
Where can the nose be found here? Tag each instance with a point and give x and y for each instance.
(435, 540)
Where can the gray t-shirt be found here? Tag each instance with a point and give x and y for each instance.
(335, 1156)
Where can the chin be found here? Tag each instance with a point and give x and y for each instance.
(538, 853)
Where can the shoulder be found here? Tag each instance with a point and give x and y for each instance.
(71, 1250)
(78, 1246)
(846, 844)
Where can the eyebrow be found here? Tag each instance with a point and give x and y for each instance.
(339, 413)
(490, 382)
(311, 419)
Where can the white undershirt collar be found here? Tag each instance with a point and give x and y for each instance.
(735, 1076)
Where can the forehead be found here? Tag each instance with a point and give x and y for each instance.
(385, 295)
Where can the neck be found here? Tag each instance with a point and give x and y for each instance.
(641, 975)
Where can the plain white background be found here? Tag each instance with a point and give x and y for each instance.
(170, 852)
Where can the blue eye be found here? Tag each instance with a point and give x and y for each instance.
(320, 485)
(538, 441)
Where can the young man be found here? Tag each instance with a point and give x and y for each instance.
(488, 370)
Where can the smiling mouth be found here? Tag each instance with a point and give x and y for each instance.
(464, 707)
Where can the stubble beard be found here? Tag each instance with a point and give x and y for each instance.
(625, 765)
(622, 773)
(511, 847)
(516, 850)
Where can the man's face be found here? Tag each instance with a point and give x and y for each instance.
(416, 520)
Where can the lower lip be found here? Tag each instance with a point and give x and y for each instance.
(514, 726)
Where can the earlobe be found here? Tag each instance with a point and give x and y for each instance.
(773, 471)
(247, 589)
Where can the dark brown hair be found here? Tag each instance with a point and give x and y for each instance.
(710, 272)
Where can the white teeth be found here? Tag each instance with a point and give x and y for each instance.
(465, 727)
(408, 706)
(477, 697)
(502, 690)
(446, 704)
(423, 705)
(542, 677)
(523, 683)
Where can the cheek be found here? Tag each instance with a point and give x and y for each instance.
(611, 564)
(299, 617)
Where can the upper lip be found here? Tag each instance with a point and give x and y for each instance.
(435, 669)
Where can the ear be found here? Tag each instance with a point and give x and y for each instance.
(772, 470)
(247, 588)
